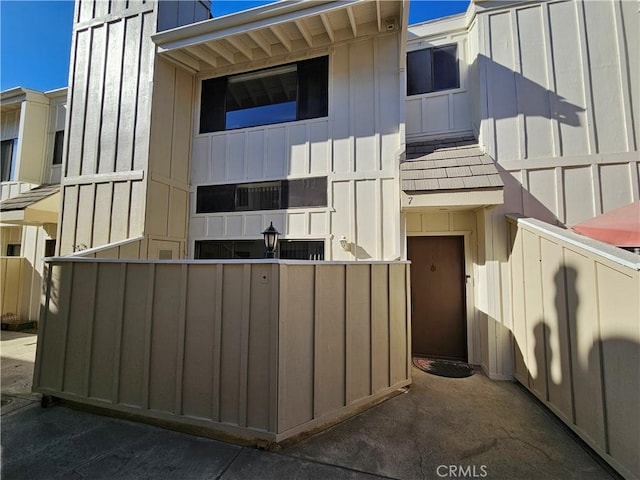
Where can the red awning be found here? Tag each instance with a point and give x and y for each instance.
(619, 227)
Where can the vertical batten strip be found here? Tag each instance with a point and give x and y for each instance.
(372, 326)
(217, 344)
(586, 77)
(389, 327)
(569, 342)
(316, 327)
(90, 326)
(117, 356)
(625, 84)
(244, 344)
(65, 335)
(273, 348)
(282, 339)
(406, 291)
(551, 81)
(182, 324)
(603, 385)
(146, 373)
(517, 67)
(44, 311)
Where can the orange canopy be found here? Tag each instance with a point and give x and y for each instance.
(619, 227)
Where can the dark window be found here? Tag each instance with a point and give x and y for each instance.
(13, 250)
(301, 250)
(8, 159)
(49, 248)
(432, 70)
(57, 147)
(296, 91)
(229, 249)
(276, 195)
(254, 249)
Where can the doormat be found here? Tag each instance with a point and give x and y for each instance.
(443, 368)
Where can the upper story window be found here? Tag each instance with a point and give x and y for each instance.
(432, 70)
(8, 150)
(276, 195)
(57, 147)
(297, 91)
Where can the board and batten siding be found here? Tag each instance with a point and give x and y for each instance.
(357, 147)
(577, 335)
(258, 350)
(442, 113)
(107, 141)
(558, 109)
(561, 116)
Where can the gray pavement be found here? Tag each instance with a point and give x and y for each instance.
(440, 428)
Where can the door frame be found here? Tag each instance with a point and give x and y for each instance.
(473, 335)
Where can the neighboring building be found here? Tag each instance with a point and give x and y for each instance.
(32, 131)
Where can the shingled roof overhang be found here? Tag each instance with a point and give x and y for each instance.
(37, 206)
(453, 173)
(286, 28)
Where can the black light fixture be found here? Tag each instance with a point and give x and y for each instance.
(270, 240)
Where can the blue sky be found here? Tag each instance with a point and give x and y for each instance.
(35, 37)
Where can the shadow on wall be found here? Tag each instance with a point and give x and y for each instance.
(590, 381)
(519, 119)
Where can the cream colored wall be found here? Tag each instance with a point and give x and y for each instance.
(10, 124)
(228, 347)
(560, 80)
(555, 106)
(32, 143)
(357, 147)
(107, 139)
(458, 223)
(576, 326)
(170, 150)
(22, 276)
(57, 116)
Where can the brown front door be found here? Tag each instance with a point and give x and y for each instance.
(438, 325)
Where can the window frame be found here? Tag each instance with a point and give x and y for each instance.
(430, 67)
(307, 83)
(58, 147)
(10, 176)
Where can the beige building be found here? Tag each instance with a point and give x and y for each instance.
(32, 133)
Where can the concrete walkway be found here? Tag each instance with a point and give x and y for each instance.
(441, 428)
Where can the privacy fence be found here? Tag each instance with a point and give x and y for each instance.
(260, 350)
(576, 323)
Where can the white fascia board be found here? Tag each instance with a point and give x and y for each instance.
(57, 93)
(457, 199)
(242, 22)
(15, 217)
(456, 23)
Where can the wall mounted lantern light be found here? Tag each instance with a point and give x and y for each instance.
(270, 241)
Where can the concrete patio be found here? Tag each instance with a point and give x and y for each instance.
(440, 428)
